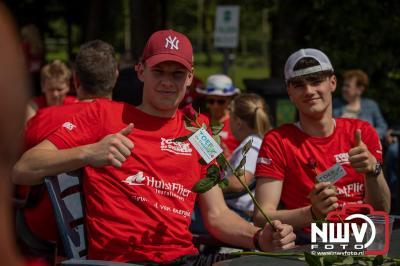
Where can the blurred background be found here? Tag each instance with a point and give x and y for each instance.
(354, 34)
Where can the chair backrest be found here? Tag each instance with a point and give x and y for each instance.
(67, 201)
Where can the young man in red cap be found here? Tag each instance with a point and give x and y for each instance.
(292, 155)
(138, 181)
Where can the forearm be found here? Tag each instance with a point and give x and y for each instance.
(230, 228)
(35, 164)
(298, 218)
(377, 193)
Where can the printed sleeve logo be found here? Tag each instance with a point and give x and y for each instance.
(172, 43)
(264, 160)
(180, 148)
(69, 126)
(135, 180)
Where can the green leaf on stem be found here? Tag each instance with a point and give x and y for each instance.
(217, 128)
(378, 260)
(217, 139)
(239, 172)
(247, 146)
(213, 172)
(223, 183)
(203, 185)
(204, 125)
(312, 259)
(241, 164)
(192, 129)
(202, 162)
(221, 162)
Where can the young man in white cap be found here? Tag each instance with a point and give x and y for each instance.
(219, 92)
(137, 180)
(292, 155)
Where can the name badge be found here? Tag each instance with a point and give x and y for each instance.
(205, 145)
(332, 175)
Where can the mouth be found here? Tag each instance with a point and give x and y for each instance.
(313, 100)
(166, 92)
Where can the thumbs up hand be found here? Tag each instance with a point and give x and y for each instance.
(359, 156)
(112, 150)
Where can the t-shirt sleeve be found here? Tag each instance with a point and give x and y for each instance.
(271, 161)
(370, 137)
(83, 128)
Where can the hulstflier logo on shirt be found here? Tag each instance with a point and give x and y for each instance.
(165, 188)
(135, 180)
(69, 126)
(342, 158)
(180, 148)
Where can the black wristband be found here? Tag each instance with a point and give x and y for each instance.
(314, 217)
(256, 239)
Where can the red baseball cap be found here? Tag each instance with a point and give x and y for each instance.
(168, 45)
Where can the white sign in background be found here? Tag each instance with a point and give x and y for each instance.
(226, 33)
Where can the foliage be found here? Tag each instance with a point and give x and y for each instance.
(328, 260)
(354, 34)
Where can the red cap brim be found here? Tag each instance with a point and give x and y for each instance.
(159, 58)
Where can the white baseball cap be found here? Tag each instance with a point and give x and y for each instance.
(322, 59)
(219, 85)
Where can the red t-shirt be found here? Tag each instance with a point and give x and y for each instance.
(285, 153)
(141, 211)
(41, 100)
(40, 218)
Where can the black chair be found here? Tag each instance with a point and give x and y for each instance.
(67, 201)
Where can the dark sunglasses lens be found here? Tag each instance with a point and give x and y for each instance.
(212, 101)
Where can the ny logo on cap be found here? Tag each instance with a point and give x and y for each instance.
(172, 43)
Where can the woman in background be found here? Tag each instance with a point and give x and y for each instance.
(248, 120)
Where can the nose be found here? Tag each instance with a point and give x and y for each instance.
(166, 81)
(309, 89)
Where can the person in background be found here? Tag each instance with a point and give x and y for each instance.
(353, 105)
(249, 120)
(55, 80)
(219, 92)
(93, 82)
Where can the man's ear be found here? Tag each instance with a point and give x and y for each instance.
(190, 78)
(333, 83)
(139, 68)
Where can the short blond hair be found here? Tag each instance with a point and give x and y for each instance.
(55, 70)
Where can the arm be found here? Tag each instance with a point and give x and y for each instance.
(234, 184)
(230, 228)
(268, 193)
(377, 192)
(45, 159)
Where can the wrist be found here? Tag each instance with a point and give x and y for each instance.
(313, 215)
(256, 239)
(375, 171)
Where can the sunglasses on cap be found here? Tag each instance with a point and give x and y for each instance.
(219, 101)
